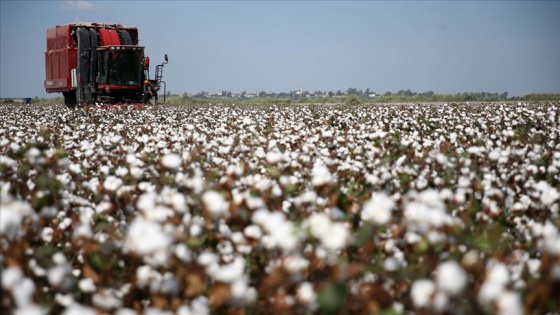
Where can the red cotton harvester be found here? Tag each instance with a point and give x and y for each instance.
(95, 64)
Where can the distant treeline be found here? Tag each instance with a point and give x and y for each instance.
(356, 98)
(351, 96)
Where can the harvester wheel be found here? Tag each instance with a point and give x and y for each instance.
(70, 99)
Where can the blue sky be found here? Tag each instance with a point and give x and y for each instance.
(443, 46)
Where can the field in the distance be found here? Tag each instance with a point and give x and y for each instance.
(369, 209)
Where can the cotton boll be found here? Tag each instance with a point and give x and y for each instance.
(146, 237)
(77, 309)
(183, 252)
(451, 270)
(47, 234)
(295, 263)
(509, 303)
(106, 300)
(171, 161)
(253, 231)
(498, 273)
(112, 183)
(30, 310)
(273, 157)
(336, 237)
(548, 194)
(230, 272)
(378, 209)
(86, 285)
(12, 213)
(241, 293)
(320, 175)
(306, 294)
(422, 292)
(10, 277)
(215, 203)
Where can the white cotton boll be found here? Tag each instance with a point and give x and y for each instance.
(86, 285)
(453, 137)
(12, 214)
(77, 309)
(146, 201)
(327, 134)
(57, 274)
(144, 274)
(253, 231)
(59, 258)
(178, 202)
(11, 276)
(104, 169)
(273, 157)
(451, 270)
(112, 183)
(441, 159)
(146, 237)
(65, 223)
(498, 273)
(436, 237)
(412, 238)
(158, 213)
(83, 230)
(488, 292)
(494, 155)
(391, 264)
(243, 294)
(552, 244)
(378, 209)
(422, 292)
(509, 303)
(207, 258)
(30, 310)
(129, 311)
(183, 252)
(441, 301)
(75, 168)
(305, 293)
(121, 171)
(195, 230)
(295, 263)
(116, 139)
(47, 234)
(230, 272)
(106, 300)
(534, 265)
(549, 194)
(320, 175)
(7, 161)
(64, 299)
(336, 237)
(171, 161)
(215, 203)
(421, 183)
(319, 224)
(136, 172)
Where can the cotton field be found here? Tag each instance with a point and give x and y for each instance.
(320, 209)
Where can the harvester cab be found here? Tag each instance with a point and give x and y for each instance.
(97, 64)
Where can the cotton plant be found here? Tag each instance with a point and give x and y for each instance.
(303, 209)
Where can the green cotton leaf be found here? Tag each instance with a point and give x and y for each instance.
(363, 234)
(196, 242)
(332, 298)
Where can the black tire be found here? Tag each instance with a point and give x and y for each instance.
(70, 99)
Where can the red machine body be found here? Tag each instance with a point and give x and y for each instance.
(93, 63)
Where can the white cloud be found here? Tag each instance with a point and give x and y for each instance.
(76, 5)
